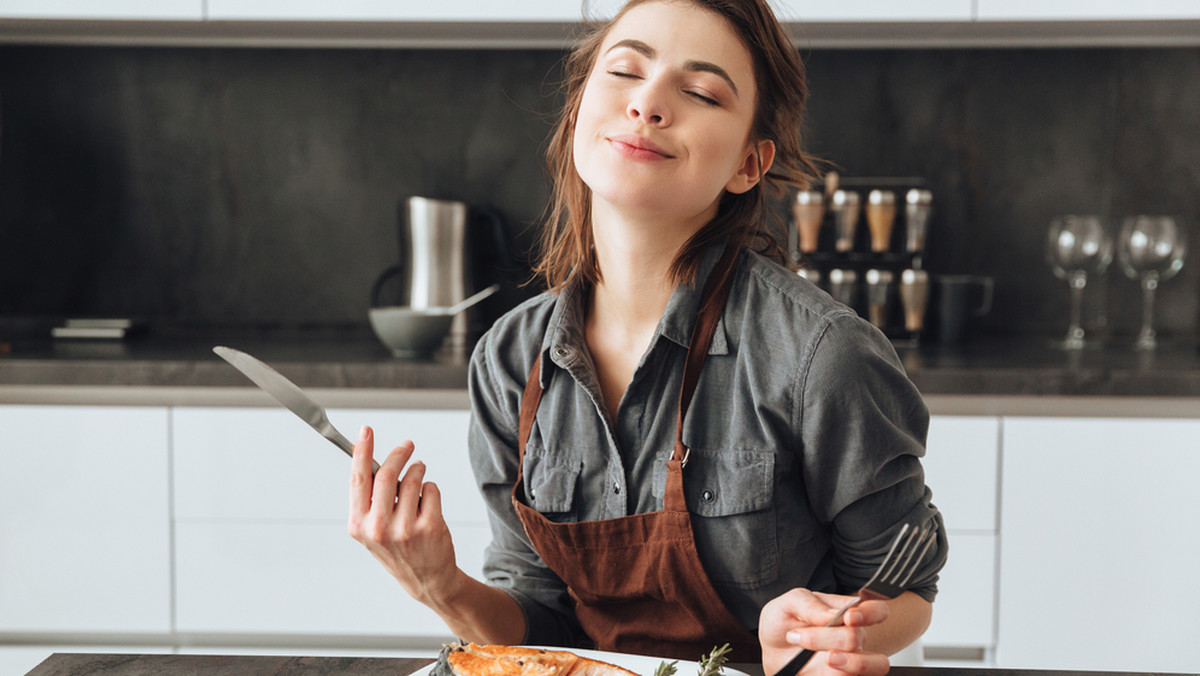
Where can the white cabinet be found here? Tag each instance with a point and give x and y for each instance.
(105, 9)
(84, 520)
(1100, 534)
(390, 10)
(962, 469)
(806, 11)
(260, 506)
(1086, 10)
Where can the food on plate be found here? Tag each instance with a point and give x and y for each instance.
(500, 660)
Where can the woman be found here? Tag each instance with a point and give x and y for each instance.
(682, 444)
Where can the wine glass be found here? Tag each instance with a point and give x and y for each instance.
(1076, 247)
(1151, 249)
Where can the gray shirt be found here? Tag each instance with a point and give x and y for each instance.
(805, 435)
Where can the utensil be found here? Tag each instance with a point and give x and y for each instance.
(914, 296)
(843, 286)
(1151, 249)
(918, 206)
(881, 216)
(845, 211)
(468, 302)
(1076, 247)
(287, 393)
(879, 291)
(808, 210)
(889, 581)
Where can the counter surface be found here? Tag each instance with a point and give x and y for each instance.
(355, 361)
(63, 664)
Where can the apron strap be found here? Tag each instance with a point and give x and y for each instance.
(716, 291)
(529, 407)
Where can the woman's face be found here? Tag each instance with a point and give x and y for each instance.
(664, 123)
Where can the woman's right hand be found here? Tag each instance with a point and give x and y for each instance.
(400, 522)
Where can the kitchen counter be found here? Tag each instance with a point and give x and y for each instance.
(62, 664)
(350, 368)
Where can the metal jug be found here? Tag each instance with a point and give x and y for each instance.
(442, 244)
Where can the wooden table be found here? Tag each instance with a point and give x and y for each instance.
(83, 664)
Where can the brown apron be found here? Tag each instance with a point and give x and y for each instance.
(637, 581)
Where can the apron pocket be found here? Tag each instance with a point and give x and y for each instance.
(731, 495)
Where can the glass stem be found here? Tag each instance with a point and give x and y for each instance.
(1075, 330)
(1147, 338)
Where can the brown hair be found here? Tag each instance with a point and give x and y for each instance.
(566, 242)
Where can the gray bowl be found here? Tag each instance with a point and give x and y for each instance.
(410, 333)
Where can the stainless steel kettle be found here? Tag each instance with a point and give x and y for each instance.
(448, 250)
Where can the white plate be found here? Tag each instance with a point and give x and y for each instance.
(638, 664)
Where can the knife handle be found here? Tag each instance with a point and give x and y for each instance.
(343, 443)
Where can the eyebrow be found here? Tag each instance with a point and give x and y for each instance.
(691, 66)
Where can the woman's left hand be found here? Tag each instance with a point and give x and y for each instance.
(796, 620)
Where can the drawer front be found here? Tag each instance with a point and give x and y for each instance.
(251, 463)
(294, 578)
(84, 520)
(962, 469)
(964, 614)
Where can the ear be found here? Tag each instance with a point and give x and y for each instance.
(755, 164)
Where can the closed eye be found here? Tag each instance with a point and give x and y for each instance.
(707, 100)
(623, 74)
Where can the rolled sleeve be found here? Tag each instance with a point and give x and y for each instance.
(863, 427)
(510, 561)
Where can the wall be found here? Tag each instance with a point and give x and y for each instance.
(243, 186)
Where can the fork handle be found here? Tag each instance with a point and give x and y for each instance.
(797, 663)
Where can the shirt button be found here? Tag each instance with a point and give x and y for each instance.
(617, 489)
(707, 495)
(562, 352)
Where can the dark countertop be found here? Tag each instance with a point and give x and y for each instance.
(352, 359)
(63, 664)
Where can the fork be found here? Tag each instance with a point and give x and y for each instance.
(888, 582)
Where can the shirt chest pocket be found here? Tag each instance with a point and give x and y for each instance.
(731, 495)
(550, 487)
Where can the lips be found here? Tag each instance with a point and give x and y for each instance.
(638, 147)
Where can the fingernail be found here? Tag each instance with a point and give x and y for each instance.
(836, 659)
(363, 433)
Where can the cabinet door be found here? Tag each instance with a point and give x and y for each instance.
(390, 10)
(265, 463)
(1099, 530)
(804, 11)
(102, 9)
(84, 520)
(962, 466)
(1014, 10)
(300, 578)
(260, 506)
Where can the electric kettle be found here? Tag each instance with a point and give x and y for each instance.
(448, 251)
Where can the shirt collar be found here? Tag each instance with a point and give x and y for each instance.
(564, 343)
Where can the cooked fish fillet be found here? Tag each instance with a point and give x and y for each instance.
(499, 660)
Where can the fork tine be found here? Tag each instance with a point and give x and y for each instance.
(901, 549)
(915, 563)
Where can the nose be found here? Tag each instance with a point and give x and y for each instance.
(649, 104)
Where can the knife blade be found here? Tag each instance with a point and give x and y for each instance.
(289, 394)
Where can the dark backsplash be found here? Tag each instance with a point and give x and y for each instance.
(261, 186)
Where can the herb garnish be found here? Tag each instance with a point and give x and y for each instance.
(714, 662)
(666, 668)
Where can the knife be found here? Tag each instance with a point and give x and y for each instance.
(287, 393)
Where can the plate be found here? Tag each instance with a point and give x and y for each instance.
(643, 665)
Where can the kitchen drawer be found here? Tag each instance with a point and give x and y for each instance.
(265, 463)
(964, 614)
(962, 465)
(84, 520)
(300, 578)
